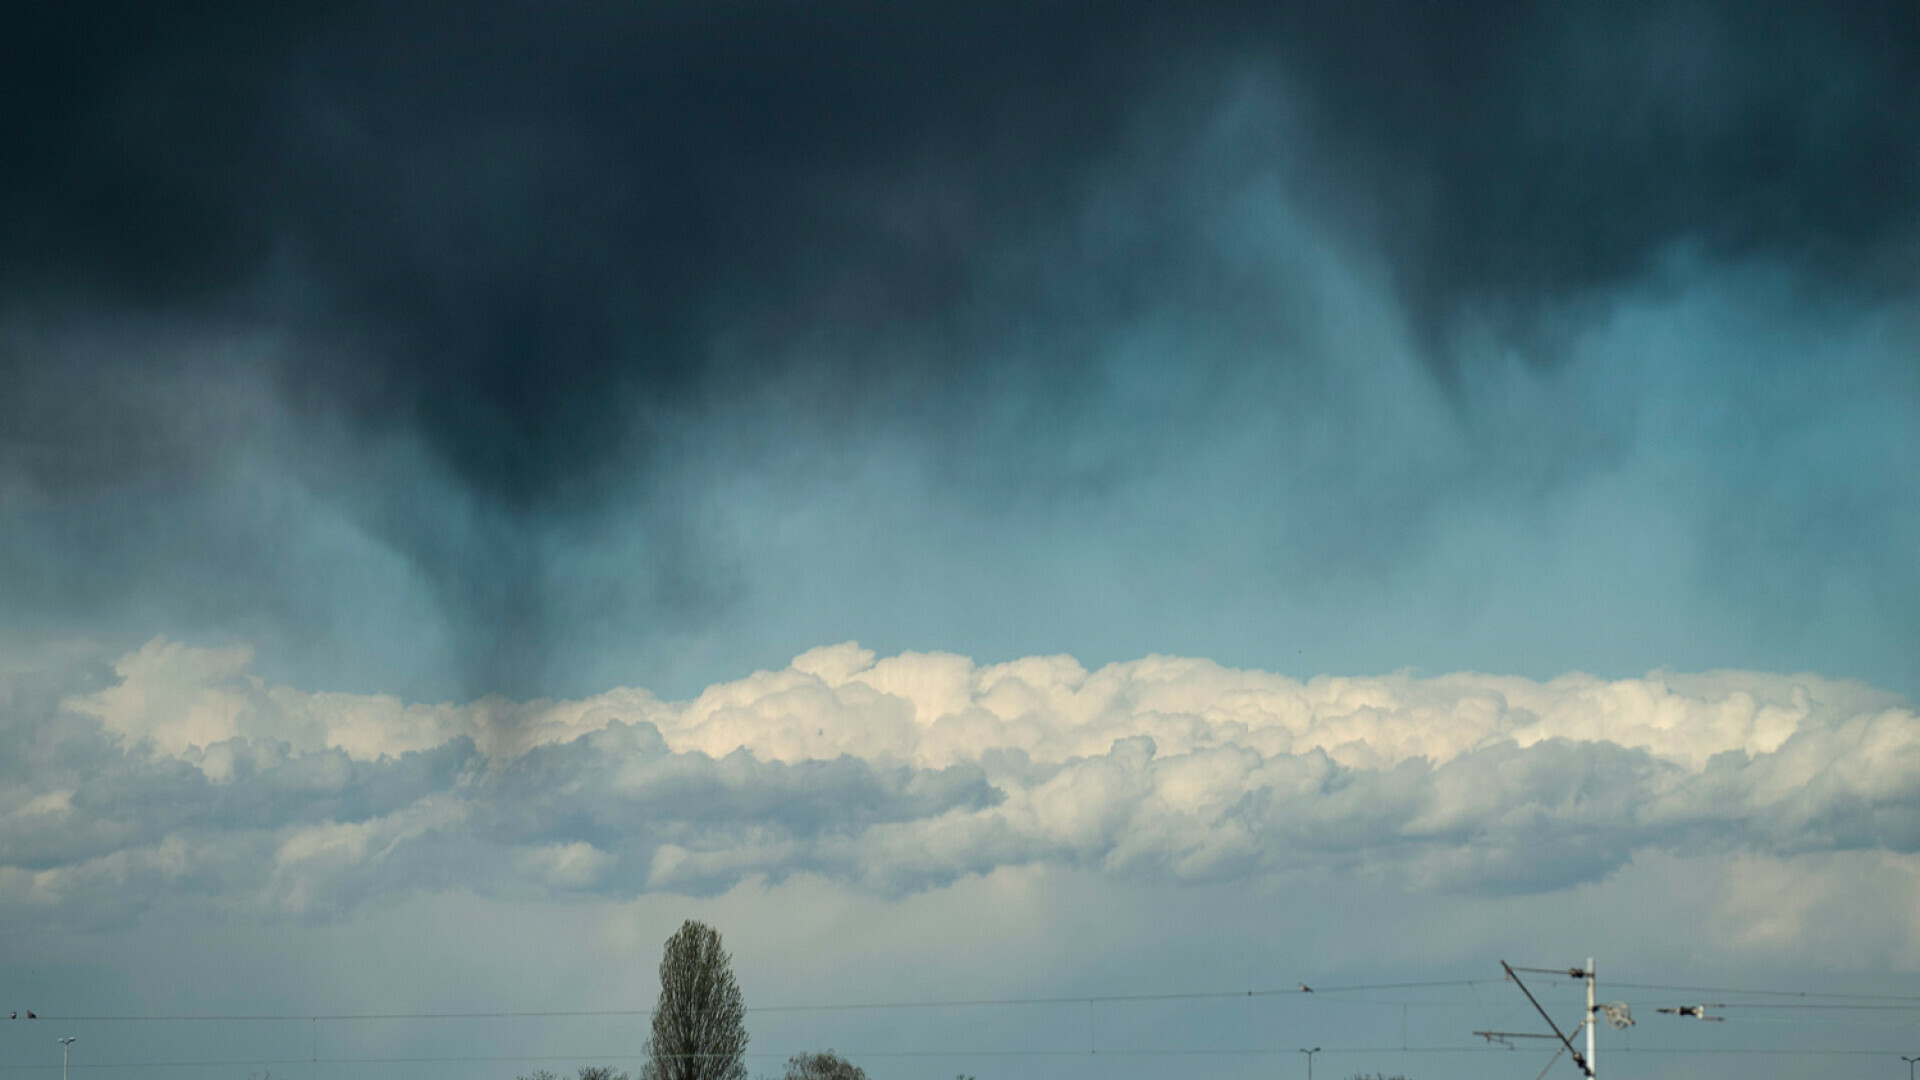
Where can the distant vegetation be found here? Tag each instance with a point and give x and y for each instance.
(699, 1025)
(824, 1066)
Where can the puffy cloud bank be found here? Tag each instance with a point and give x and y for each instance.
(177, 776)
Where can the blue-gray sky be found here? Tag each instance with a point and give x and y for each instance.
(420, 423)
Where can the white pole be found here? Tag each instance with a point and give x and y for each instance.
(1591, 1018)
(66, 1045)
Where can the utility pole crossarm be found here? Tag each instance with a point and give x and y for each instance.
(1578, 1058)
(1491, 1035)
(1698, 1012)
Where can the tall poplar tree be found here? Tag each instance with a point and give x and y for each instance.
(699, 1027)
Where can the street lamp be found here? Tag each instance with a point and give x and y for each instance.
(1316, 1050)
(1909, 1061)
(66, 1046)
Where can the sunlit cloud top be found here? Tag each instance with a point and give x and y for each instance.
(189, 779)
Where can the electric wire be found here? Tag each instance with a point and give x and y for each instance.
(1830, 1004)
(958, 1003)
(956, 1053)
(1760, 993)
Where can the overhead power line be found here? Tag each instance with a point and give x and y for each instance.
(958, 1003)
(1814, 1006)
(256, 1062)
(1764, 993)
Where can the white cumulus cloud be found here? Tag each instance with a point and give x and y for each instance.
(185, 776)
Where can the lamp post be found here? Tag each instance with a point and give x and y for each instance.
(1316, 1050)
(66, 1046)
(1909, 1061)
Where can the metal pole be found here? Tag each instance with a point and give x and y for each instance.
(66, 1045)
(1593, 1066)
(1309, 1054)
(1909, 1061)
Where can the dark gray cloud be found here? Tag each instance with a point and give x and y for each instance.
(1522, 158)
(461, 313)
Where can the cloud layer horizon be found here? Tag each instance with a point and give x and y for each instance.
(180, 778)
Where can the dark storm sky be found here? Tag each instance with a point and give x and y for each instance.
(535, 347)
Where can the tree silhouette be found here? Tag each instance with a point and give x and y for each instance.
(824, 1066)
(699, 1027)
